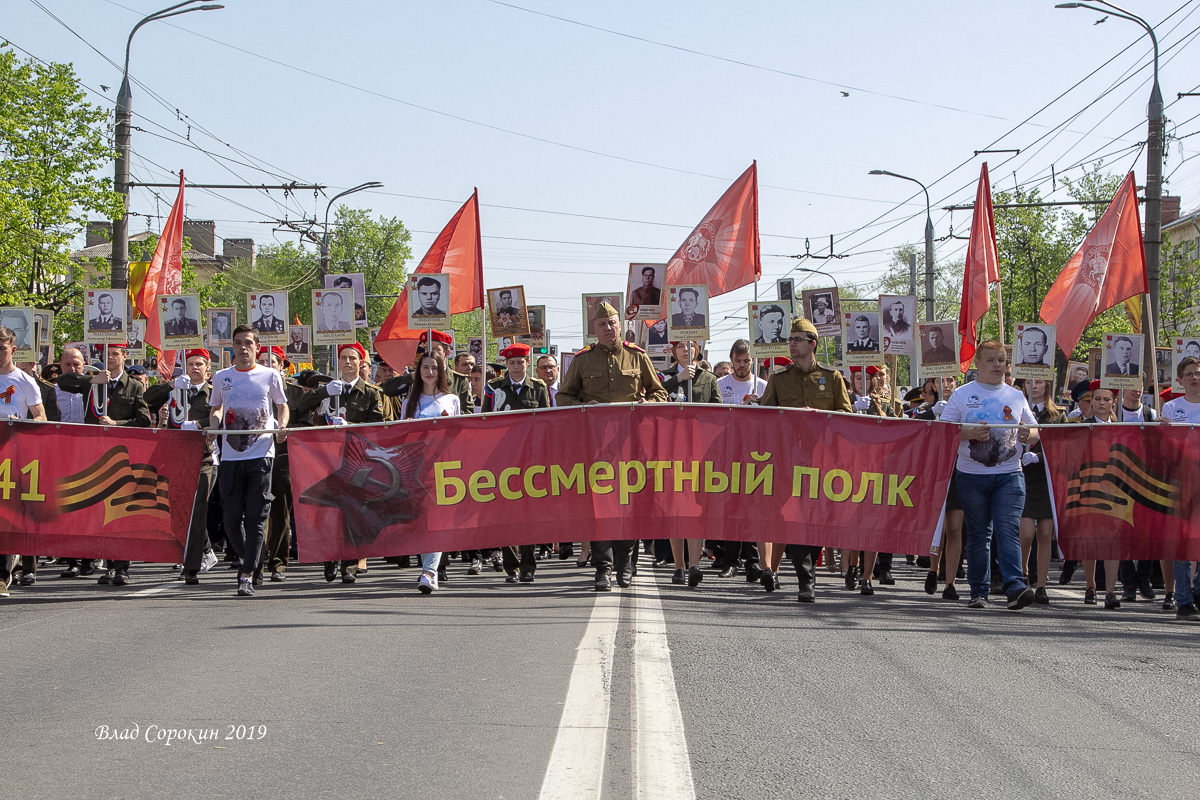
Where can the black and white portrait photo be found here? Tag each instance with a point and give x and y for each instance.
(899, 314)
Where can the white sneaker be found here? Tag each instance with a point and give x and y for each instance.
(208, 561)
(427, 583)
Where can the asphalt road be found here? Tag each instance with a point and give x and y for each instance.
(724, 691)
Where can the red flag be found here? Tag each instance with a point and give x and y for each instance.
(457, 251)
(1109, 267)
(298, 322)
(722, 251)
(981, 271)
(165, 276)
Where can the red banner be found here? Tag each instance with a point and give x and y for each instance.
(620, 472)
(1124, 492)
(80, 491)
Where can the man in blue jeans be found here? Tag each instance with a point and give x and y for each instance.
(991, 485)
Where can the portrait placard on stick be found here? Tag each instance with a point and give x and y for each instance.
(939, 348)
(1033, 351)
(769, 325)
(333, 315)
(428, 301)
(356, 282)
(506, 307)
(299, 346)
(860, 338)
(268, 314)
(137, 339)
(104, 315)
(823, 308)
(688, 313)
(644, 290)
(1183, 347)
(898, 313)
(1077, 372)
(219, 325)
(19, 320)
(1122, 361)
(179, 322)
(537, 327)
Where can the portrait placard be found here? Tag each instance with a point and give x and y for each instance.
(590, 301)
(1122, 361)
(538, 335)
(179, 322)
(823, 308)
(137, 338)
(769, 323)
(645, 290)
(1183, 347)
(860, 338)
(104, 316)
(428, 301)
(333, 316)
(939, 348)
(43, 324)
(1033, 350)
(1164, 358)
(219, 324)
(19, 320)
(299, 346)
(356, 282)
(506, 308)
(687, 318)
(1077, 371)
(475, 348)
(268, 315)
(898, 313)
(1094, 355)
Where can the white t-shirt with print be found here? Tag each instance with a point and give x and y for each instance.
(1180, 411)
(734, 391)
(18, 393)
(248, 399)
(437, 405)
(1000, 404)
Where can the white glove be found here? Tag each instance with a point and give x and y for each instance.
(862, 404)
(334, 388)
(938, 407)
(336, 421)
(1030, 458)
(189, 425)
(183, 383)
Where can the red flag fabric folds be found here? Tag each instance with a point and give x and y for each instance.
(456, 251)
(165, 276)
(1108, 268)
(722, 252)
(981, 271)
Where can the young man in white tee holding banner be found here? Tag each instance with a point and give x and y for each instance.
(242, 398)
(740, 387)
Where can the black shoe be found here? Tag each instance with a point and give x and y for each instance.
(277, 576)
(1169, 601)
(885, 577)
(1189, 612)
(1111, 603)
(1089, 597)
(851, 578)
(1068, 572)
(728, 571)
(603, 584)
(806, 596)
(677, 578)
(1145, 589)
(108, 577)
(581, 564)
(403, 562)
(347, 577)
(1040, 597)
(753, 573)
(256, 579)
(442, 577)
(767, 580)
(86, 570)
(330, 571)
(961, 575)
(121, 578)
(1020, 598)
(191, 577)
(694, 577)
(931, 582)
(526, 577)
(566, 552)
(70, 572)
(625, 578)
(949, 593)
(865, 587)
(923, 562)
(512, 577)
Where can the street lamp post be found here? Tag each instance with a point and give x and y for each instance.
(120, 229)
(928, 240)
(1154, 154)
(325, 231)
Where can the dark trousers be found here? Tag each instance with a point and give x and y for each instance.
(804, 559)
(279, 521)
(197, 540)
(246, 496)
(610, 554)
(1129, 574)
(521, 558)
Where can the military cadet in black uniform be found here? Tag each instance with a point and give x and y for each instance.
(611, 371)
(517, 390)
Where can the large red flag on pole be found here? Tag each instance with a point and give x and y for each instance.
(981, 271)
(456, 251)
(164, 276)
(722, 251)
(1109, 267)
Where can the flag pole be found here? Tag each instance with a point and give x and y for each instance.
(1153, 365)
(1000, 309)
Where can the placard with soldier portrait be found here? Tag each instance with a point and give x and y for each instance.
(137, 339)
(860, 338)
(898, 313)
(475, 348)
(687, 313)
(1183, 347)
(333, 316)
(268, 315)
(43, 328)
(19, 320)
(219, 324)
(823, 308)
(769, 326)
(537, 327)
(1122, 361)
(299, 346)
(428, 301)
(1077, 372)
(590, 301)
(104, 316)
(938, 348)
(179, 322)
(356, 282)
(506, 309)
(645, 291)
(1033, 351)
(1163, 362)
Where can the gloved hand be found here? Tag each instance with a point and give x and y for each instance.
(938, 407)
(1030, 458)
(183, 383)
(189, 425)
(336, 421)
(334, 388)
(862, 404)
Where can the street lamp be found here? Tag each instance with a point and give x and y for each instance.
(1154, 154)
(928, 240)
(816, 271)
(325, 234)
(120, 229)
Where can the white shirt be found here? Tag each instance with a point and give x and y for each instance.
(1000, 404)
(247, 399)
(734, 391)
(1180, 411)
(18, 393)
(438, 405)
(72, 406)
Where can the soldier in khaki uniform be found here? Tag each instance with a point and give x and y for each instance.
(804, 384)
(611, 371)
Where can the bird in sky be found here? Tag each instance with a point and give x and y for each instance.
(845, 94)
(1102, 19)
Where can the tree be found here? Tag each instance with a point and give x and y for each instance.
(52, 143)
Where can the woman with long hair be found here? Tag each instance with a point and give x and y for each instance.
(1037, 518)
(430, 397)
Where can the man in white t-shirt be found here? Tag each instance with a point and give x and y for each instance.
(1186, 411)
(247, 396)
(991, 485)
(20, 398)
(741, 386)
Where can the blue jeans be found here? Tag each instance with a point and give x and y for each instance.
(1187, 587)
(992, 505)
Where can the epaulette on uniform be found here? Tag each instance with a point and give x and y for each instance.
(584, 350)
(634, 347)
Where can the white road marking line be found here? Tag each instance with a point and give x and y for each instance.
(662, 766)
(152, 590)
(576, 767)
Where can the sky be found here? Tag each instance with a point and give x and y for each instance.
(599, 134)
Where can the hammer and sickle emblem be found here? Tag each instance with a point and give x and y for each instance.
(362, 479)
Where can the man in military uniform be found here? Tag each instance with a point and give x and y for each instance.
(610, 371)
(647, 294)
(353, 401)
(180, 324)
(804, 384)
(517, 390)
(193, 388)
(267, 322)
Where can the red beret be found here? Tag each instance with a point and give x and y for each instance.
(207, 356)
(277, 351)
(780, 361)
(362, 351)
(1169, 394)
(438, 336)
(517, 350)
(871, 369)
(1094, 385)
